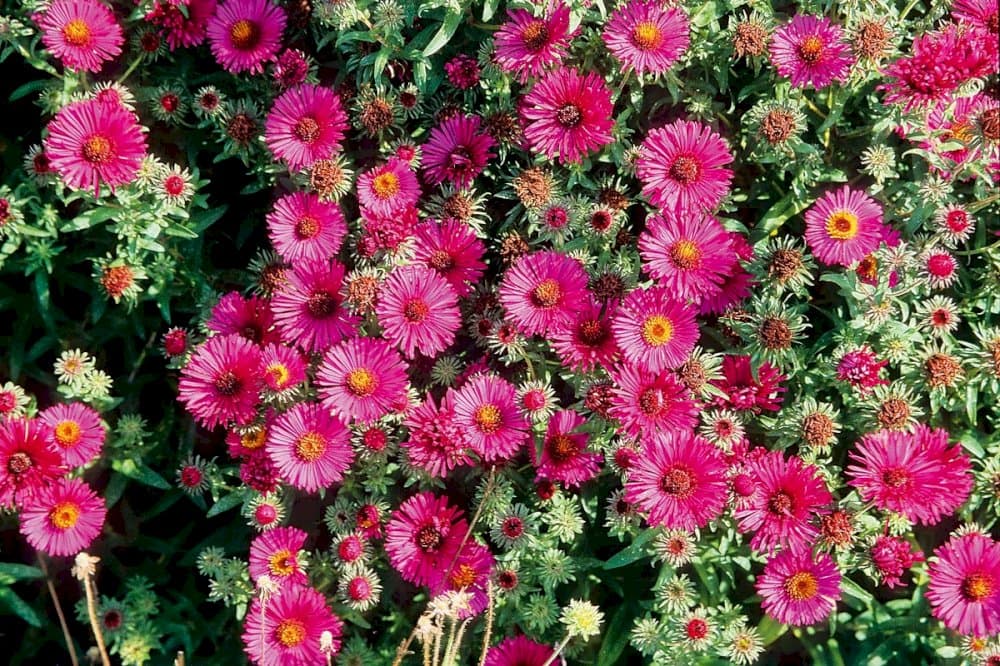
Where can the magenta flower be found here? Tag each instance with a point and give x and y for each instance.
(843, 226)
(93, 142)
(388, 189)
(288, 629)
(749, 390)
(456, 151)
(306, 124)
(28, 460)
(518, 651)
(451, 248)
(646, 403)
(486, 409)
(284, 367)
(471, 574)
(76, 431)
(418, 311)
(275, 554)
(309, 309)
(436, 443)
(527, 45)
(250, 318)
(83, 34)
(588, 341)
(690, 255)
(798, 588)
(302, 227)
(542, 290)
(564, 456)
(964, 591)
(681, 166)
(654, 331)
(182, 28)
(646, 36)
(222, 381)
(244, 34)
(789, 495)
(811, 51)
(63, 518)
(422, 538)
(892, 557)
(916, 474)
(568, 115)
(979, 13)
(310, 447)
(862, 369)
(362, 379)
(679, 481)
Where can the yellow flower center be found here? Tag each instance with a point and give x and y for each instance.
(977, 587)
(657, 330)
(244, 34)
(361, 382)
(463, 576)
(77, 32)
(253, 440)
(290, 632)
(67, 433)
(97, 149)
(802, 586)
(385, 185)
(64, 515)
(282, 563)
(310, 447)
(842, 225)
(685, 254)
(488, 419)
(547, 294)
(278, 373)
(647, 36)
(960, 131)
(811, 49)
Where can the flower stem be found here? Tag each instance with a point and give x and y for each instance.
(91, 588)
(59, 611)
(555, 655)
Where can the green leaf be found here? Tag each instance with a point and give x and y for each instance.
(27, 88)
(19, 607)
(489, 8)
(444, 33)
(20, 571)
(615, 637)
(770, 630)
(224, 504)
(141, 473)
(635, 551)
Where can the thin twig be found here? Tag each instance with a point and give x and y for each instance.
(91, 589)
(559, 648)
(59, 611)
(488, 631)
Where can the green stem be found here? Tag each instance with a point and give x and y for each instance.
(559, 648)
(131, 68)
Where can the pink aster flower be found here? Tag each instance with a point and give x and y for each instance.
(564, 456)
(527, 45)
(185, 28)
(305, 124)
(457, 151)
(647, 403)
(798, 588)
(275, 553)
(250, 318)
(436, 443)
(310, 447)
(470, 574)
(387, 189)
(939, 268)
(691, 255)
(288, 630)
(964, 591)
(681, 166)
(940, 64)
(747, 390)
(811, 51)
(892, 557)
(486, 409)
(63, 518)
(789, 496)
(362, 379)
(83, 34)
(463, 71)
(284, 368)
(862, 369)
(518, 651)
(244, 34)
(222, 381)
(28, 460)
(843, 226)
(647, 36)
(654, 330)
(418, 310)
(679, 480)
(76, 431)
(309, 309)
(568, 115)
(451, 248)
(588, 341)
(302, 227)
(542, 290)
(422, 538)
(980, 13)
(92, 142)
(916, 474)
